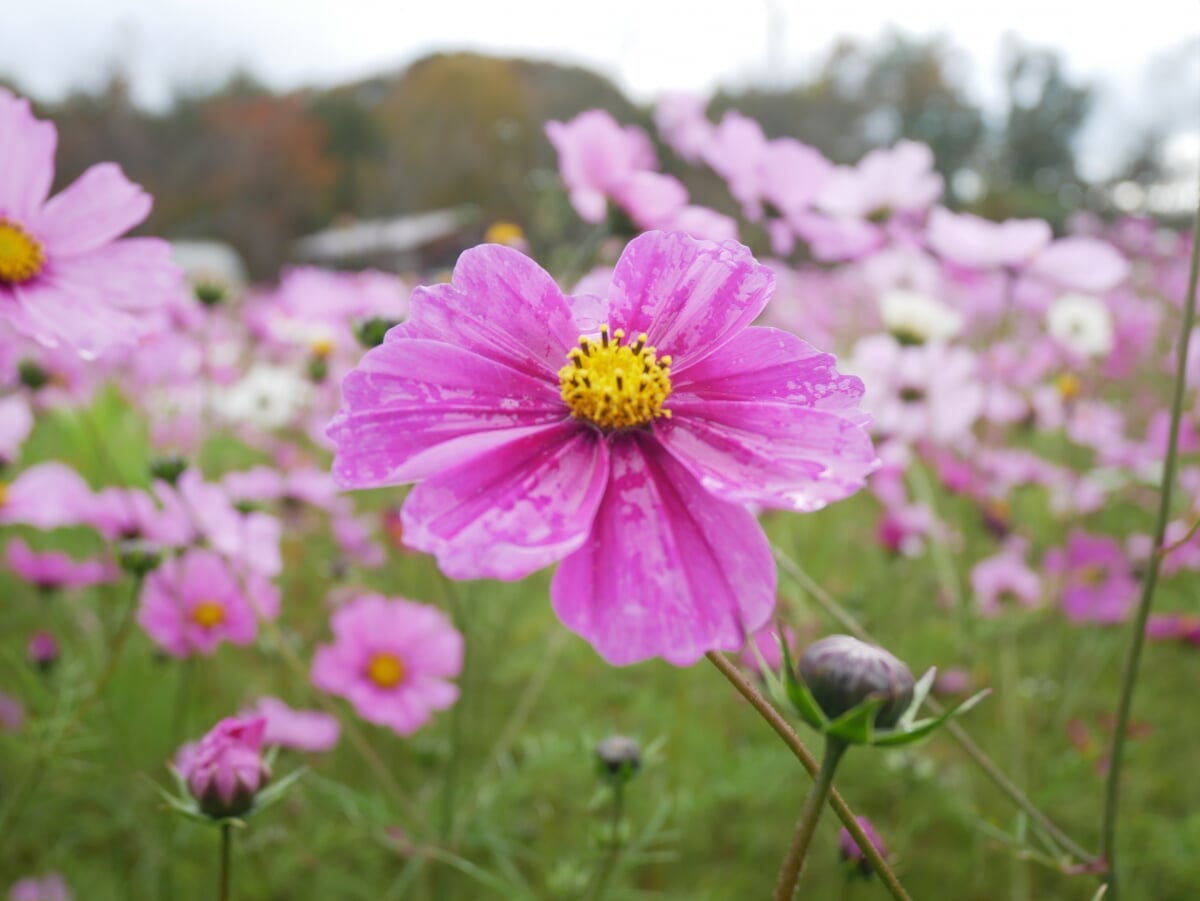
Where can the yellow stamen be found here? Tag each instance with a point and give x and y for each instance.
(385, 669)
(208, 614)
(321, 347)
(3, 493)
(508, 233)
(21, 256)
(616, 386)
(1069, 386)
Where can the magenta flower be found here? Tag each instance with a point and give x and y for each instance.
(392, 660)
(1004, 577)
(64, 277)
(42, 650)
(226, 769)
(622, 436)
(1097, 578)
(301, 730)
(193, 602)
(852, 854)
(54, 570)
(50, 887)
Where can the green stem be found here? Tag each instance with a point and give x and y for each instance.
(784, 730)
(836, 611)
(789, 873)
(226, 860)
(1133, 659)
(614, 841)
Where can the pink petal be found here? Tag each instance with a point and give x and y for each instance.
(514, 509)
(26, 158)
(1083, 264)
(780, 455)
(72, 314)
(95, 209)
(130, 274)
(414, 407)
(688, 296)
(501, 305)
(669, 570)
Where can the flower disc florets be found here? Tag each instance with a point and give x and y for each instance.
(21, 257)
(613, 385)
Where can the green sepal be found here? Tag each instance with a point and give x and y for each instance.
(920, 693)
(857, 725)
(275, 790)
(895, 738)
(797, 692)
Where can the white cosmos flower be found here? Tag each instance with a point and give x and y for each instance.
(1082, 324)
(268, 396)
(916, 318)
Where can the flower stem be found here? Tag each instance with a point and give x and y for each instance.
(614, 841)
(1134, 657)
(226, 856)
(776, 721)
(981, 758)
(789, 873)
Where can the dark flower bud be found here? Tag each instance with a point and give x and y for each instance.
(318, 369)
(169, 469)
(842, 672)
(138, 557)
(42, 651)
(370, 332)
(32, 375)
(619, 757)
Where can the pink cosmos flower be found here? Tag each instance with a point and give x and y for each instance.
(392, 660)
(982, 244)
(1098, 581)
(42, 649)
(46, 496)
(681, 122)
(64, 276)
(596, 156)
(624, 435)
(193, 602)
(225, 770)
(301, 730)
(54, 570)
(16, 422)
(1005, 576)
(852, 854)
(12, 713)
(50, 887)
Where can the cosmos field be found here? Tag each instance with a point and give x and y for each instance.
(515, 580)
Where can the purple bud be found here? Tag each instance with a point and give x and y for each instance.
(42, 650)
(852, 853)
(226, 770)
(843, 672)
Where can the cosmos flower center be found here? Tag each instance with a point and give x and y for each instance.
(21, 257)
(385, 669)
(1069, 386)
(615, 385)
(208, 614)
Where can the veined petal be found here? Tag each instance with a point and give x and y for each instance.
(514, 509)
(415, 407)
(95, 209)
(776, 454)
(770, 364)
(55, 313)
(688, 296)
(668, 570)
(501, 305)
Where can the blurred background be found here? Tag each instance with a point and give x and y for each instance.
(348, 132)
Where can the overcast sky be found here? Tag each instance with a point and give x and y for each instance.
(646, 46)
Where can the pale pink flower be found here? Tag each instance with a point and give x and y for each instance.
(392, 659)
(65, 278)
(596, 156)
(300, 730)
(54, 570)
(50, 887)
(225, 770)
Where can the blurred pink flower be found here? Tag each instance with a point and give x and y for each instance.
(193, 602)
(16, 422)
(596, 156)
(225, 770)
(392, 660)
(681, 122)
(980, 243)
(12, 713)
(1097, 578)
(492, 397)
(852, 854)
(1005, 576)
(46, 496)
(301, 730)
(766, 640)
(42, 649)
(53, 570)
(65, 278)
(50, 887)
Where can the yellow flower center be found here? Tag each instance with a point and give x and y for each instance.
(1069, 386)
(321, 346)
(21, 257)
(3, 493)
(385, 669)
(208, 614)
(615, 386)
(508, 233)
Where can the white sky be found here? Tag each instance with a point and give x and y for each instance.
(646, 46)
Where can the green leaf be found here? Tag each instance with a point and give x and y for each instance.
(920, 693)
(917, 731)
(799, 695)
(274, 792)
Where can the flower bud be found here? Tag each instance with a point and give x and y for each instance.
(226, 770)
(370, 332)
(210, 293)
(169, 469)
(852, 854)
(42, 651)
(138, 557)
(842, 672)
(32, 375)
(620, 757)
